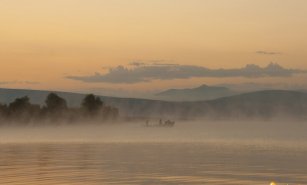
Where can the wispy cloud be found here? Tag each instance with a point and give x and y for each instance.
(146, 73)
(136, 63)
(268, 53)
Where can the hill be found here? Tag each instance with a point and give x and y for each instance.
(203, 92)
(265, 104)
(261, 104)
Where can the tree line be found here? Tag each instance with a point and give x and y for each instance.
(22, 111)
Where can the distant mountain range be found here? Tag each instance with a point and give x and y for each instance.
(203, 92)
(262, 104)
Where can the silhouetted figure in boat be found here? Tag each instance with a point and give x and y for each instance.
(169, 123)
(160, 122)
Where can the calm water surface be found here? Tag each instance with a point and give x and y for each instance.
(151, 163)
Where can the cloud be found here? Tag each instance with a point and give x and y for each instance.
(149, 62)
(146, 73)
(268, 53)
(137, 63)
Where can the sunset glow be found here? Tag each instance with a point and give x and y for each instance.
(42, 42)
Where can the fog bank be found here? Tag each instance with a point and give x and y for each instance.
(232, 132)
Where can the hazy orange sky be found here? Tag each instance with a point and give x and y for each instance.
(44, 42)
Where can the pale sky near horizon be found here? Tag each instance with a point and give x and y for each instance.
(44, 42)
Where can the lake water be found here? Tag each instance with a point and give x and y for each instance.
(151, 163)
(214, 153)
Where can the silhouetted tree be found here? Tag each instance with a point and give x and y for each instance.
(55, 103)
(3, 111)
(3, 107)
(92, 104)
(22, 110)
(20, 104)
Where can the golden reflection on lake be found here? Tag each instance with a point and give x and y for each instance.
(150, 163)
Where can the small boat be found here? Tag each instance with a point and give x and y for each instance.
(167, 123)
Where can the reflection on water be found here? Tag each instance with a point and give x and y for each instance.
(151, 163)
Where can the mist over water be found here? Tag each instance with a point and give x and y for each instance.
(199, 152)
(245, 132)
